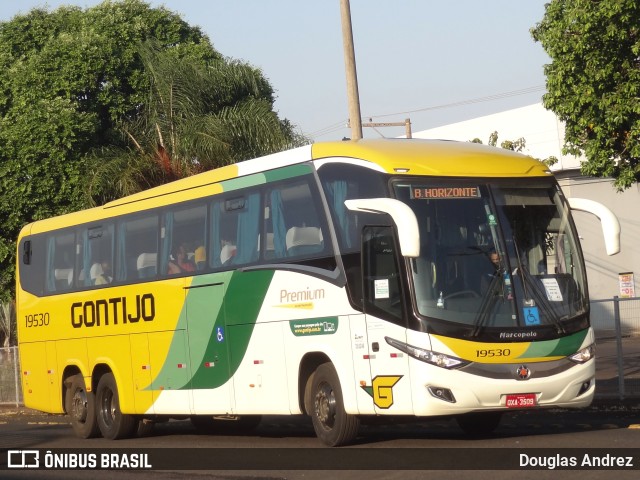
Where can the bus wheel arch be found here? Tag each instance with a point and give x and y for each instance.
(332, 424)
(113, 424)
(69, 371)
(80, 404)
(308, 366)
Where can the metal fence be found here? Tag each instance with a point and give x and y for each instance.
(616, 322)
(10, 390)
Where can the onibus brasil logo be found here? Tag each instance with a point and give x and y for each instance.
(381, 390)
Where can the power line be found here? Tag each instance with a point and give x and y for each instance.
(471, 101)
(498, 96)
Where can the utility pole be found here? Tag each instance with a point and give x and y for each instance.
(350, 68)
(406, 124)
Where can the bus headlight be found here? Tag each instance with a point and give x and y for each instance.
(434, 358)
(584, 355)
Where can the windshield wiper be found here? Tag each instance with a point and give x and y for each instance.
(488, 303)
(531, 291)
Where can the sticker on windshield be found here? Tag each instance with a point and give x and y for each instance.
(381, 288)
(554, 294)
(531, 316)
(491, 219)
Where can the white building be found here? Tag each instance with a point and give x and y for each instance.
(544, 136)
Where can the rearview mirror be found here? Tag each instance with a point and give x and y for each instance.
(402, 215)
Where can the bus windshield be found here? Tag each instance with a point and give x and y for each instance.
(501, 254)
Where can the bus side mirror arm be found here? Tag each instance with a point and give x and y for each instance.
(402, 216)
(610, 223)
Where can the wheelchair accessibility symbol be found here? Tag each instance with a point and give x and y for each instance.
(531, 316)
(220, 334)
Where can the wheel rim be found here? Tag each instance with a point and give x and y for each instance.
(79, 406)
(325, 406)
(108, 408)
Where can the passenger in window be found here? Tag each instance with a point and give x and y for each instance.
(200, 257)
(179, 262)
(228, 251)
(101, 273)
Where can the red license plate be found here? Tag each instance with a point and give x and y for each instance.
(521, 400)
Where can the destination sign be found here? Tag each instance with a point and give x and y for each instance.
(444, 192)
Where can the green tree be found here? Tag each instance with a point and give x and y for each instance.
(514, 145)
(7, 324)
(593, 82)
(72, 81)
(198, 116)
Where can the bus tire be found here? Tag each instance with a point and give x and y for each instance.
(332, 424)
(81, 407)
(112, 422)
(479, 423)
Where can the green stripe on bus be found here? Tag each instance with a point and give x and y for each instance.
(243, 182)
(560, 347)
(266, 177)
(288, 172)
(242, 302)
(214, 329)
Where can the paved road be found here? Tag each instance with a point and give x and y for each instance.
(291, 440)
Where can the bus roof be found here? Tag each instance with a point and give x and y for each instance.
(394, 156)
(435, 157)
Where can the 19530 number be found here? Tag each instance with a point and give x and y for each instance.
(494, 352)
(37, 320)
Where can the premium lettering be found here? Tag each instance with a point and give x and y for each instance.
(113, 311)
(301, 295)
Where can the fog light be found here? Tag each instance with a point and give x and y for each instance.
(584, 387)
(442, 394)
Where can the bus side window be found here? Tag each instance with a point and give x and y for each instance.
(294, 223)
(95, 255)
(235, 229)
(184, 229)
(134, 237)
(60, 262)
(383, 295)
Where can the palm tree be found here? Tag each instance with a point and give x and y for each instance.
(198, 117)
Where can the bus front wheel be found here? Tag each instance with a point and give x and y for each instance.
(112, 422)
(332, 424)
(81, 407)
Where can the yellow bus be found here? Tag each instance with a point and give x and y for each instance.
(339, 280)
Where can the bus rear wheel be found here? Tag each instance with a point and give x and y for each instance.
(332, 424)
(112, 422)
(81, 407)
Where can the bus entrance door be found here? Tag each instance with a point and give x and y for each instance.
(208, 349)
(390, 385)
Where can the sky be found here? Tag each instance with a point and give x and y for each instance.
(431, 61)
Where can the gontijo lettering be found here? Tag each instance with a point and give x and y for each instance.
(113, 310)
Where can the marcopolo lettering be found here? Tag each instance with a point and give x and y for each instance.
(113, 311)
